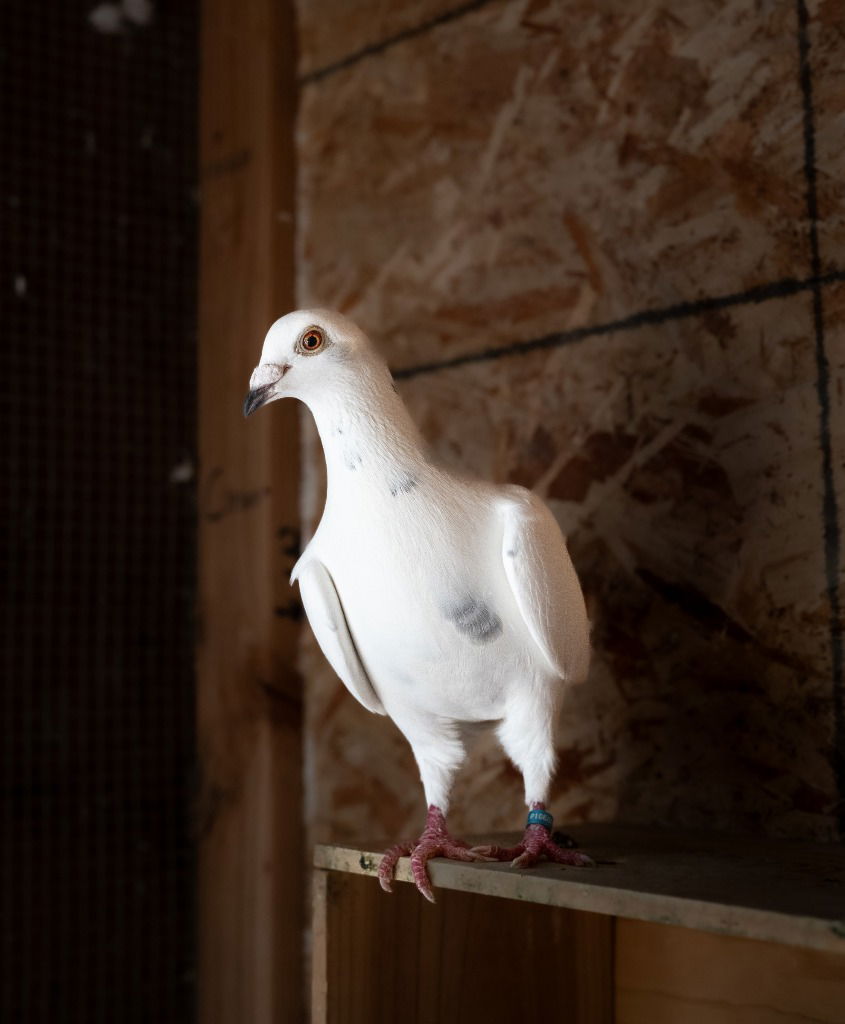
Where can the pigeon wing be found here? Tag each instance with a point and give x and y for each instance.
(327, 620)
(545, 586)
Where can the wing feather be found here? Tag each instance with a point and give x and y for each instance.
(327, 620)
(545, 586)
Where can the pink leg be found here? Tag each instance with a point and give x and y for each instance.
(434, 842)
(537, 844)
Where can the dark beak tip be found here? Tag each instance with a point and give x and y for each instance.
(254, 398)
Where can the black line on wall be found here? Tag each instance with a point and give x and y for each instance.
(760, 293)
(400, 37)
(830, 512)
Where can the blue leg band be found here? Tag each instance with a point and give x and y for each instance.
(540, 817)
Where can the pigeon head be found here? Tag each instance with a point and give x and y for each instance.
(308, 352)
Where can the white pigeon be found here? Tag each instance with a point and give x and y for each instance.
(448, 604)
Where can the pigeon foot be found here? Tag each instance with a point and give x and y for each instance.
(537, 844)
(435, 841)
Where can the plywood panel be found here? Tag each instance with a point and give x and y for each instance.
(530, 168)
(332, 30)
(683, 463)
(668, 975)
(825, 87)
(827, 65)
(832, 419)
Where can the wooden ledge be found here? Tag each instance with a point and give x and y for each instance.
(772, 890)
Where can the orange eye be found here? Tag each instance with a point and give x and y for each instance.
(312, 341)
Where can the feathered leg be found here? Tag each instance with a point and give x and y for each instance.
(526, 736)
(438, 761)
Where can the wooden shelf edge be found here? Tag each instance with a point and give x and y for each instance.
(784, 892)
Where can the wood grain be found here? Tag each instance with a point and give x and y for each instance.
(380, 958)
(677, 976)
(528, 169)
(792, 893)
(249, 731)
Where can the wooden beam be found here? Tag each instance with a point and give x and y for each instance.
(776, 891)
(249, 709)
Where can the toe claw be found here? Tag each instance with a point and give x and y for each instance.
(571, 858)
(387, 867)
(435, 841)
(537, 845)
(427, 892)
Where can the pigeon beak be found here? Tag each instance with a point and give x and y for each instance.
(255, 398)
(261, 385)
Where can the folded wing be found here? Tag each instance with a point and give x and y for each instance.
(544, 583)
(327, 620)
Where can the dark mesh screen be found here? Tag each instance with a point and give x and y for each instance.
(98, 261)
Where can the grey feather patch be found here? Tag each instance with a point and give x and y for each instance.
(403, 484)
(475, 620)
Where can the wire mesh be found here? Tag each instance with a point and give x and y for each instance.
(98, 260)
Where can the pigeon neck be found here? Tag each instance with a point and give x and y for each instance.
(367, 435)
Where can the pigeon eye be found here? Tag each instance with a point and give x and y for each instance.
(312, 341)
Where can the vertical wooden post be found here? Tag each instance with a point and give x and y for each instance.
(249, 710)
(320, 925)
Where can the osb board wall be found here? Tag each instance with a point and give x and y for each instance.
(602, 246)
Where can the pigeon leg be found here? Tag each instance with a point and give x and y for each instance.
(537, 845)
(435, 841)
(526, 735)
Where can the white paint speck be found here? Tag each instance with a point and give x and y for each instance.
(106, 18)
(139, 12)
(182, 472)
(112, 18)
